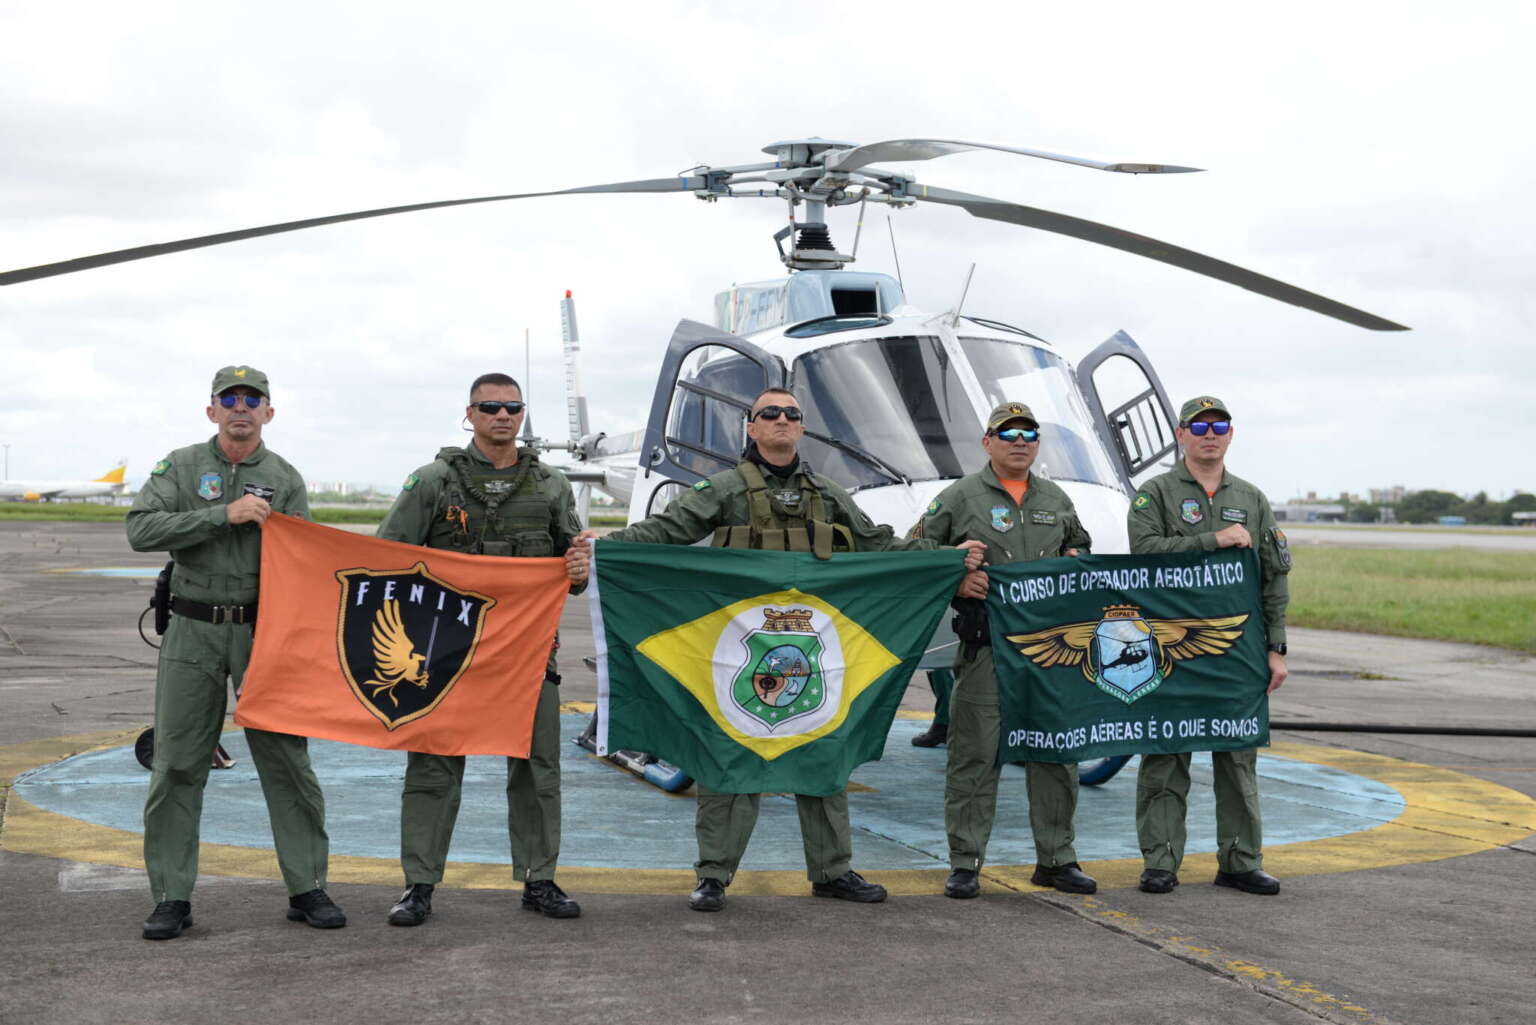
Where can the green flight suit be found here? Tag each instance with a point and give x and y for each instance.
(1172, 513)
(1044, 526)
(531, 513)
(724, 822)
(181, 509)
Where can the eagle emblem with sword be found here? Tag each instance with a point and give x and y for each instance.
(404, 638)
(1124, 653)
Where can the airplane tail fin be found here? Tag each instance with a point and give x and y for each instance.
(114, 475)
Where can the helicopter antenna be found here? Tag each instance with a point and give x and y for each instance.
(894, 255)
(966, 290)
(575, 396)
(527, 377)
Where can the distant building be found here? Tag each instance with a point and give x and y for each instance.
(1308, 510)
(1388, 496)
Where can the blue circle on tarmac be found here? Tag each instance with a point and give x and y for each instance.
(611, 819)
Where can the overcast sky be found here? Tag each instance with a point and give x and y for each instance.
(1377, 153)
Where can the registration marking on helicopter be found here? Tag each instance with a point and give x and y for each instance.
(1326, 810)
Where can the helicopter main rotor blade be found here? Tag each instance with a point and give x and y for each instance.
(927, 149)
(1153, 249)
(48, 270)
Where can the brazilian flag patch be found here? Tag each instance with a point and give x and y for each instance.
(160, 468)
(410, 482)
(701, 485)
(1142, 501)
(933, 507)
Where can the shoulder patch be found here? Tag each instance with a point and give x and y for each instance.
(160, 468)
(1282, 546)
(933, 507)
(701, 485)
(1142, 501)
(410, 482)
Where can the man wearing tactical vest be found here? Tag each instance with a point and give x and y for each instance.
(205, 504)
(1022, 517)
(489, 498)
(772, 500)
(1198, 507)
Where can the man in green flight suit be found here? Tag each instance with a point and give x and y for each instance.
(1199, 506)
(1022, 517)
(489, 498)
(773, 500)
(205, 504)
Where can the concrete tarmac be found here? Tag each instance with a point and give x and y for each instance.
(1424, 920)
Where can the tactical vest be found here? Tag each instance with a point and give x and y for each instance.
(486, 511)
(785, 519)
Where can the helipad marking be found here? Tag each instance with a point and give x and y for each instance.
(1444, 814)
(133, 572)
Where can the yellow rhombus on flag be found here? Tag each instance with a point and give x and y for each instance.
(728, 659)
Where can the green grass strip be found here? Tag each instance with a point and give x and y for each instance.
(1460, 594)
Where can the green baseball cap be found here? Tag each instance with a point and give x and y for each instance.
(234, 377)
(1202, 404)
(1005, 411)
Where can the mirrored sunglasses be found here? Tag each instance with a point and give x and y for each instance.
(1199, 427)
(1013, 434)
(231, 401)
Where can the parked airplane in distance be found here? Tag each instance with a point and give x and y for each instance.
(109, 483)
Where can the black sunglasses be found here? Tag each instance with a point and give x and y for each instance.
(492, 408)
(774, 412)
(231, 401)
(1199, 427)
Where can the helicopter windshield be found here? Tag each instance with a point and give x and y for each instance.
(1014, 372)
(900, 399)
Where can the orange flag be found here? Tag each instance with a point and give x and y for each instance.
(396, 646)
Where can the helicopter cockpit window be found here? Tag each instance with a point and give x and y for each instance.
(1015, 372)
(891, 407)
(706, 425)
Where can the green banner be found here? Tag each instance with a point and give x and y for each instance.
(760, 671)
(1129, 654)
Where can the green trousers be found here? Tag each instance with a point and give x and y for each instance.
(970, 778)
(724, 826)
(1162, 804)
(429, 804)
(941, 682)
(197, 661)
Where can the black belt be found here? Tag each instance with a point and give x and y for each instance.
(214, 614)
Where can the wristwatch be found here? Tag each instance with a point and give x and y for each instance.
(1278, 649)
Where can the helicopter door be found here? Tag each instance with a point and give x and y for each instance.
(697, 425)
(1130, 408)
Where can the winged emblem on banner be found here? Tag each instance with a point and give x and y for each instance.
(398, 660)
(1123, 639)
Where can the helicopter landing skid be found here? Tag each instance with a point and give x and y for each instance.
(1100, 770)
(653, 770)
